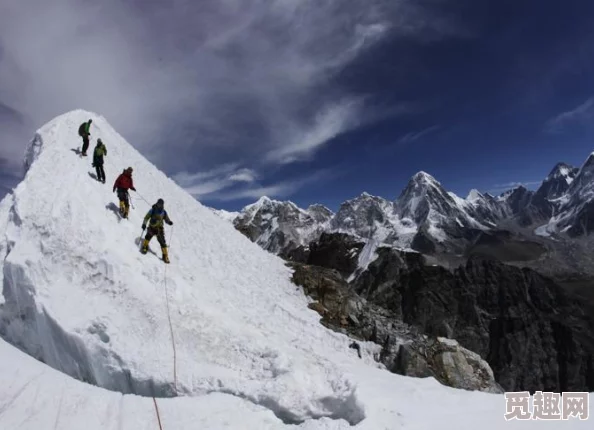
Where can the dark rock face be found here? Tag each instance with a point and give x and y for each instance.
(337, 251)
(404, 350)
(534, 336)
(377, 282)
(519, 199)
(503, 246)
(558, 181)
(299, 254)
(583, 221)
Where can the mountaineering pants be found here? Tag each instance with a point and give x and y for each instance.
(123, 196)
(100, 172)
(156, 231)
(85, 144)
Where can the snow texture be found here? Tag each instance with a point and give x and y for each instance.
(80, 298)
(226, 215)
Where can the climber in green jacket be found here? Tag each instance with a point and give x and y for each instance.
(85, 131)
(98, 154)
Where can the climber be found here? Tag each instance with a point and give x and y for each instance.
(98, 154)
(155, 217)
(84, 132)
(124, 183)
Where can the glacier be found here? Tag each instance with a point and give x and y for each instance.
(94, 334)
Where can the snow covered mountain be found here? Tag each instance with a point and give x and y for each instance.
(429, 219)
(423, 213)
(280, 227)
(368, 216)
(440, 217)
(575, 213)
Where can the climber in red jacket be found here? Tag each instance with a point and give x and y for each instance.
(122, 184)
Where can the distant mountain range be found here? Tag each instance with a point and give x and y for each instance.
(428, 219)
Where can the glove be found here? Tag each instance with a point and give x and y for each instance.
(170, 223)
(93, 165)
(114, 190)
(144, 226)
(133, 189)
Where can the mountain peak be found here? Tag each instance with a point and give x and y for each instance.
(474, 195)
(561, 170)
(422, 176)
(264, 200)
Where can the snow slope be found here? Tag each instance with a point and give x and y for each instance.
(226, 215)
(248, 353)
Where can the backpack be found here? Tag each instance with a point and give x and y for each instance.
(81, 129)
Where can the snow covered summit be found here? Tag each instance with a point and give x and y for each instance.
(222, 326)
(80, 297)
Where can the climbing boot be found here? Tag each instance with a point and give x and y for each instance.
(123, 209)
(145, 244)
(165, 255)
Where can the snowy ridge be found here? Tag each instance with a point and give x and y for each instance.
(226, 215)
(65, 246)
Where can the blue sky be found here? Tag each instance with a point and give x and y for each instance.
(306, 102)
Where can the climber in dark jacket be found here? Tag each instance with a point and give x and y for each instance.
(85, 131)
(98, 154)
(155, 218)
(122, 184)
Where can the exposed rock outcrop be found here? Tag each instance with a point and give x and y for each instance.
(404, 349)
(336, 251)
(532, 332)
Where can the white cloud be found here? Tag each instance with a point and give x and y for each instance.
(197, 81)
(280, 189)
(584, 113)
(328, 124)
(416, 135)
(243, 175)
(185, 179)
(211, 181)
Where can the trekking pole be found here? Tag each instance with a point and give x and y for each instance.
(130, 199)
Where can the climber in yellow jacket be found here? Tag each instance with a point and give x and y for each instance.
(155, 218)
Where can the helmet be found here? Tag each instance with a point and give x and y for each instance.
(160, 202)
(99, 141)
(129, 169)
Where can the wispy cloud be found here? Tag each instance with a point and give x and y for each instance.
(222, 79)
(212, 181)
(279, 190)
(582, 114)
(499, 188)
(414, 136)
(328, 124)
